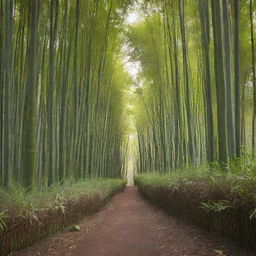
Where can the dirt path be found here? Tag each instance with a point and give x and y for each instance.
(129, 226)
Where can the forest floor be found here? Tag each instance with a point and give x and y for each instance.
(129, 225)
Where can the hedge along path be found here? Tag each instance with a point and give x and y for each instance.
(129, 225)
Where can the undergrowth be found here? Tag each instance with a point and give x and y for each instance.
(28, 217)
(220, 201)
(17, 202)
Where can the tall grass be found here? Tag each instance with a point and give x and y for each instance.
(28, 217)
(219, 201)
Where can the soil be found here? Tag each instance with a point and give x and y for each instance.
(129, 225)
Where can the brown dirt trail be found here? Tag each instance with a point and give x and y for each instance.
(130, 226)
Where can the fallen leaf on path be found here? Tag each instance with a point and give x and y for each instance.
(220, 252)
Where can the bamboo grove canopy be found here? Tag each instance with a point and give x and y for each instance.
(64, 88)
(61, 90)
(195, 99)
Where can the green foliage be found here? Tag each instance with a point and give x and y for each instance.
(219, 206)
(217, 201)
(65, 105)
(178, 96)
(217, 190)
(3, 216)
(16, 201)
(34, 215)
(74, 228)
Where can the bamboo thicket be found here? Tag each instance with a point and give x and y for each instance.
(61, 96)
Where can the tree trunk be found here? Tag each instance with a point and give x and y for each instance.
(220, 83)
(29, 120)
(237, 79)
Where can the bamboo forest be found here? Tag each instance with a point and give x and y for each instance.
(128, 127)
